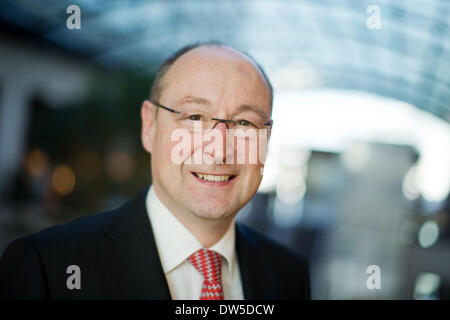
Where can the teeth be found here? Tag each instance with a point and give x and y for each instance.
(209, 177)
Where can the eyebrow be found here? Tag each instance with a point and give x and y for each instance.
(206, 102)
(257, 110)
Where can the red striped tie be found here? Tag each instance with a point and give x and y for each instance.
(209, 264)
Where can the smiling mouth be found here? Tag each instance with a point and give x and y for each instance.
(213, 178)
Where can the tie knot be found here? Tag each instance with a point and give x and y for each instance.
(208, 263)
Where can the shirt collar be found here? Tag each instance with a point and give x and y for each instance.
(175, 243)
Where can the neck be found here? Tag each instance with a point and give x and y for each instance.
(207, 231)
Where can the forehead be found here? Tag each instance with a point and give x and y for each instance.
(220, 75)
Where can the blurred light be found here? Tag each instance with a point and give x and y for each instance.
(331, 120)
(63, 180)
(89, 165)
(291, 186)
(297, 75)
(292, 159)
(290, 189)
(120, 166)
(287, 215)
(434, 162)
(407, 232)
(426, 286)
(292, 156)
(37, 164)
(269, 180)
(428, 234)
(409, 185)
(357, 156)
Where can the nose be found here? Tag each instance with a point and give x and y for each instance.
(221, 121)
(220, 129)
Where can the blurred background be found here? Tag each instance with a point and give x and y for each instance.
(358, 171)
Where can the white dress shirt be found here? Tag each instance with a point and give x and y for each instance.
(175, 244)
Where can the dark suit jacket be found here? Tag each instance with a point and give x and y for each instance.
(118, 259)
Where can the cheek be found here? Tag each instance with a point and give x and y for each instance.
(183, 147)
(252, 178)
(162, 159)
(252, 152)
(171, 141)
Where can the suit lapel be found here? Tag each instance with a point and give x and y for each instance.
(129, 255)
(254, 278)
(132, 267)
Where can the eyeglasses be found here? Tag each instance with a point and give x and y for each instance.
(194, 119)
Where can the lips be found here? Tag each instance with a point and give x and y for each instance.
(213, 177)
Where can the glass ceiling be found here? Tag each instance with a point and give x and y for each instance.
(321, 43)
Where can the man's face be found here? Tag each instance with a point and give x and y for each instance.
(223, 80)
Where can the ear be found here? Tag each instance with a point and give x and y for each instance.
(148, 124)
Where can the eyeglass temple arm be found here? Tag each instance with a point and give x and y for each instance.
(268, 123)
(168, 109)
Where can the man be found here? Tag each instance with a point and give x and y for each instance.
(178, 238)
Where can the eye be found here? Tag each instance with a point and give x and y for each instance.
(245, 123)
(195, 117)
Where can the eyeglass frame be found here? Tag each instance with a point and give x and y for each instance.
(267, 123)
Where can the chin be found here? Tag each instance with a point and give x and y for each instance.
(212, 216)
(212, 212)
